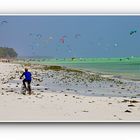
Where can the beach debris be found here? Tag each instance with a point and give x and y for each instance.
(128, 111)
(68, 89)
(91, 101)
(131, 101)
(89, 90)
(85, 111)
(120, 119)
(37, 84)
(19, 98)
(133, 97)
(11, 90)
(39, 97)
(134, 101)
(131, 105)
(124, 101)
(23, 93)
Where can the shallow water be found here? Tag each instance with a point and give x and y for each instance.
(125, 67)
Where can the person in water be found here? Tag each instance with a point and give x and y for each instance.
(27, 79)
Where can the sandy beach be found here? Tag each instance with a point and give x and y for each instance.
(59, 96)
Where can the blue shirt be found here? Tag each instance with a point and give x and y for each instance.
(27, 75)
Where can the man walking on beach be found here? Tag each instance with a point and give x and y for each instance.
(28, 79)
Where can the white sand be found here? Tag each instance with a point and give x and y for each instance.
(56, 106)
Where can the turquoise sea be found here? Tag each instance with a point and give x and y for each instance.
(123, 67)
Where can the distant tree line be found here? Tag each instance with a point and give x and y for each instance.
(7, 52)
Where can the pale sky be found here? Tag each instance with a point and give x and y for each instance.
(83, 36)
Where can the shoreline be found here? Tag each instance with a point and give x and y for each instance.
(121, 76)
(100, 79)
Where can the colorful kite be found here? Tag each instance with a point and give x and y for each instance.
(62, 39)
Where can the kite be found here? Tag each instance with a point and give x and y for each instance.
(30, 34)
(35, 35)
(116, 45)
(3, 22)
(132, 32)
(62, 39)
(39, 36)
(50, 38)
(77, 36)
